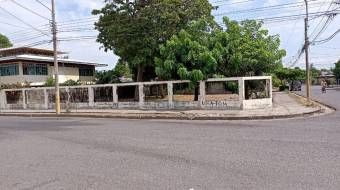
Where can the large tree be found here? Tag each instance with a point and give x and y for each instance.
(134, 30)
(4, 42)
(248, 49)
(189, 55)
(121, 69)
(204, 50)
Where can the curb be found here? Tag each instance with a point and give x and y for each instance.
(163, 117)
(317, 101)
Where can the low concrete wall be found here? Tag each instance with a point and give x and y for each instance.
(41, 98)
(258, 103)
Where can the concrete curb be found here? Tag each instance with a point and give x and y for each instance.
(162, 117)
(317, 101)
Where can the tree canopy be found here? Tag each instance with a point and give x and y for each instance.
(336, 70)
(205, 49)
(188, 55)
(289, 74)
(134, 30)
(4, 42)
(121, 70)
(247, 49)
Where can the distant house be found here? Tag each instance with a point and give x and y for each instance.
(327, 76)
(35, 66)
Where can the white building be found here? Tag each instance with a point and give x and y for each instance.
(35, 66)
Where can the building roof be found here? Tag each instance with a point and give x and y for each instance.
(27, 50)
(326, 74)
(48, 59)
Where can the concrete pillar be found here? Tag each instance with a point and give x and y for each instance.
(241, 91)
(45, 99)
(91, 96)
(141, 95)
(3, 100)
(24, 105)
(201, 97)
(114, 94)
(271, 87)
(170, 95)
(67, 102)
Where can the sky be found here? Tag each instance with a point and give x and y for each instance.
(69, 12)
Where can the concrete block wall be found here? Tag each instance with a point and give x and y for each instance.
(202, 103)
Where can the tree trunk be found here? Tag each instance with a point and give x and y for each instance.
(196, 93)
(140, 77)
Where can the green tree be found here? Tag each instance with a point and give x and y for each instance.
(315, 73)
(112, 76)
(5, 42)
(247, 49)
(336, 70)
(288, 74)
(188, 55)
(133, 30)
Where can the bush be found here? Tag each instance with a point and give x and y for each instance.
(283, 87)
(276, 81)
(71, 83)
(49, 82)
(232, 86)
(13, 86)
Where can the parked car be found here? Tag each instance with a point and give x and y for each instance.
(295, 85)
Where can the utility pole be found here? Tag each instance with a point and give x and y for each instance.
(56, 67)
(308, 90)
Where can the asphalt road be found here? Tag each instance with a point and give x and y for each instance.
(79, 153)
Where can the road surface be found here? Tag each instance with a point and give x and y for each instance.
(80, 153)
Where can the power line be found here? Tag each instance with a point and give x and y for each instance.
(233, 3)
(315, 29)
(278, 6)
(23, 21)
(30, 10)
(327, 39)
(41, 3)
(9, 24)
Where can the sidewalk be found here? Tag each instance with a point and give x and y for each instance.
(285, 106)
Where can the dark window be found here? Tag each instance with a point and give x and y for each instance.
(35, 69)
(9, 70)
(85, 71)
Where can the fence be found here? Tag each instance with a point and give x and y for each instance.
(223, 93)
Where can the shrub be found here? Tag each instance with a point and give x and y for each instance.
(49, 82)
(71, 83)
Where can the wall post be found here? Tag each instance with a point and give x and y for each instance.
(271, 87)
(241, 91)
(141, 95)
(45, 99)
(91, 96)
(3, 101)
(170, 95)
(201, 97)
(24, 105)
(114, 96)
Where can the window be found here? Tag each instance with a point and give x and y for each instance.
(9, 70)
(85, 71)
(35, 69)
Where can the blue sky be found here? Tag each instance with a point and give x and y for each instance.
(291, 32)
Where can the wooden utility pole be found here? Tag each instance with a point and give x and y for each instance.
(308, 90)
(56, 67)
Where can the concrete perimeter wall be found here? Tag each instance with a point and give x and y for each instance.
(43, 98)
